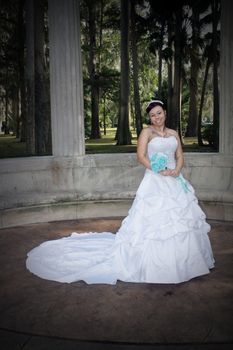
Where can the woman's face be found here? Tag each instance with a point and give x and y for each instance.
(157, 116)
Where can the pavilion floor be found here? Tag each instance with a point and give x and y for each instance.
(41, 314)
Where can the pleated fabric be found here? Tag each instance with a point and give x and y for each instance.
(163, 239)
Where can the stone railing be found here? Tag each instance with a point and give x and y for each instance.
(38, 189)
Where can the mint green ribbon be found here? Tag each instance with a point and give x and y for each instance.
(183, 183)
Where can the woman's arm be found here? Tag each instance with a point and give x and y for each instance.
(179, 159)
(142, 148)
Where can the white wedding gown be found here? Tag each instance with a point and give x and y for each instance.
(164, 238)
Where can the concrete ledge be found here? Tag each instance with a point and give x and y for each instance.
(93, 209)
(64, 211)
(39, 189)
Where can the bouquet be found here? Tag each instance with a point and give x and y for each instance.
(158, 162)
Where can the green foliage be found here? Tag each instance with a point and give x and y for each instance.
(150, 17)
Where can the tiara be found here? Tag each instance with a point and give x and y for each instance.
(154, 101)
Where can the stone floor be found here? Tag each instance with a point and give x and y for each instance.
(41, 314)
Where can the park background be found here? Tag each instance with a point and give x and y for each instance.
(132, 52)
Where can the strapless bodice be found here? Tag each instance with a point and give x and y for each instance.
(166, 145)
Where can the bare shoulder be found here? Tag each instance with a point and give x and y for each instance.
(172, 132)
(146, 132)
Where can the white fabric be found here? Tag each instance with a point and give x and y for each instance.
(164, 238)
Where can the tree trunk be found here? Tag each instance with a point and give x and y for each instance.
(199, 135)
(21, 45)
(17, 126)
(160, 59)
(95, 128)
(214, 6)
(42, 120)
(176, 105)
(94, 79)
(30, 78)
(6, 122)
(137, 106)
(15, 112)
(123, 130)
(101, 30)
(170, 68)
(104, 113)
(192, 120)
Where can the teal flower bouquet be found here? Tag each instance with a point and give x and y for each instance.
(158, 162)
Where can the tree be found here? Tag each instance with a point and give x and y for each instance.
(170, 70)
(123, 132)
(215, 19)
(211, 58)
(21, 68)
(11, 65)
(176, 100)
(194, 63)
(199, 122)
(136, 99)
(30, 77)
(42, 115)
(94, 76)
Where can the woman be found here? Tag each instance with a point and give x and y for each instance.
(164, 238)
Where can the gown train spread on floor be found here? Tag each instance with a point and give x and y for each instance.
(163, 239)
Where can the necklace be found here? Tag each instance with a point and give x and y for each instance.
(163, 134)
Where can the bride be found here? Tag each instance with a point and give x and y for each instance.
(163, 239)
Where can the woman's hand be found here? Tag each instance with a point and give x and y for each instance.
(175, 172)
(165, 172)
(169, 172)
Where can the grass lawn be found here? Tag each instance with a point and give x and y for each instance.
(10, 146)
(107, 143)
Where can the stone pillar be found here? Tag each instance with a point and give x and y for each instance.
(66, 85)
(226, 79)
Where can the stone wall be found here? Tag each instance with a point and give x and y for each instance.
(38, 189)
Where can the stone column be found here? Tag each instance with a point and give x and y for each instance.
(66, 85)
(226, 79)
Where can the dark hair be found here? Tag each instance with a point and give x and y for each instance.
(153, 104)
